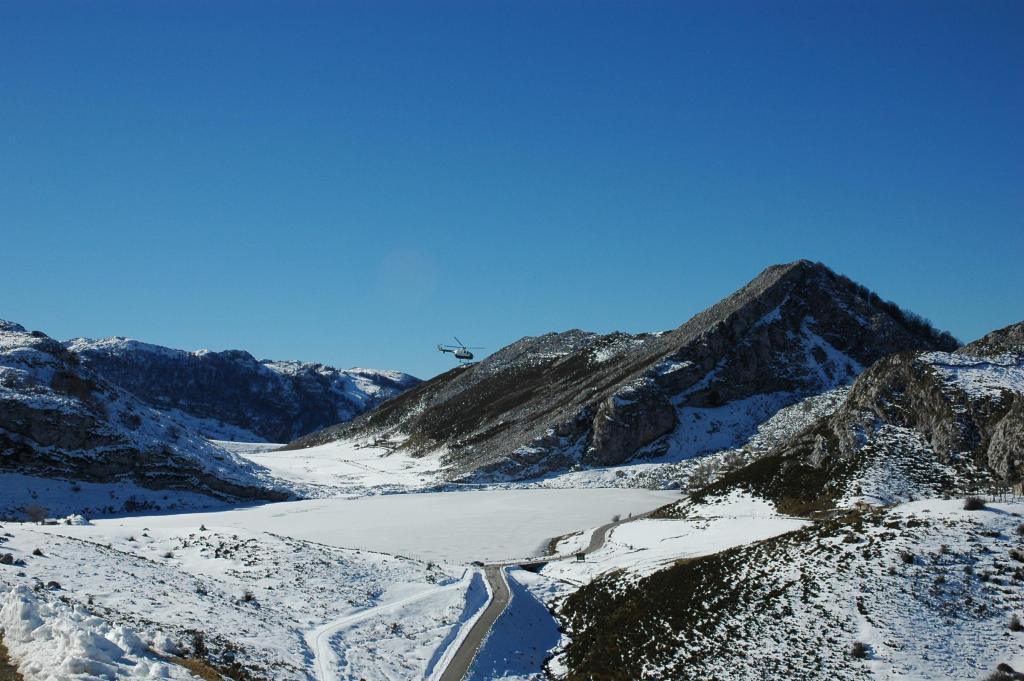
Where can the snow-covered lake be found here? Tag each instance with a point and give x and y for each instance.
(456, 527)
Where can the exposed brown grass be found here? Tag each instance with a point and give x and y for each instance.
(8, 672)
(197, 667)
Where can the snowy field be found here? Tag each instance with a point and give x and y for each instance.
(328, 588)
(342, 467)
(647, 545)
(118, 604)
(452, 527)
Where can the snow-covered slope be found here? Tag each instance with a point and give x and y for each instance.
(913, 425)
(231, 395)
(248, 603)
(924, 590)
(550, 402)
(58, 420)
(888, 575)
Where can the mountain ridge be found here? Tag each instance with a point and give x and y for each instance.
(563, 398)
(234, 396)
(58, 419)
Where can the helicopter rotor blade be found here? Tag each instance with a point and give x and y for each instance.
(461, 344)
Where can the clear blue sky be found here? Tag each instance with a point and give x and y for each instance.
(354, 183)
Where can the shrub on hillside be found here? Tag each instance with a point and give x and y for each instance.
(35, 513)
(859, 650)
(974, 504)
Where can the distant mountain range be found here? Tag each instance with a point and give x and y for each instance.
(231, 395)
(139, 416)
(805, 372)
(59, 419)
(803, 393)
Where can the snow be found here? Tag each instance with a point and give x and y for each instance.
(345, 467)
(166, 583)
(709, 429)
(350, 612)
(979, 377)
(52, 640)
(405, 638)
(520, 640)
(670, 366)
(928, 586)
(644, 546)
(452, 527)
(57, 498)
(902, 466)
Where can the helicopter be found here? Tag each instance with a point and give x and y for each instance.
(461, 351)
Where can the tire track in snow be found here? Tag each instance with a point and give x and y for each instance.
(319, 639)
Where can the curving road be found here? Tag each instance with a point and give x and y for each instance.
(461, 662)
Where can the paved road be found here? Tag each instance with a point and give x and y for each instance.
(461, 662)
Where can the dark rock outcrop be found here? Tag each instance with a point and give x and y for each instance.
(1007, 339)
(962, 410)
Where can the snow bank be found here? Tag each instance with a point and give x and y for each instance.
(53, 640)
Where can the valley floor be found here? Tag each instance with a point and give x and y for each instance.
(365, 583)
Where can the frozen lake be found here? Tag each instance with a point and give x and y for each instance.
(457, 527)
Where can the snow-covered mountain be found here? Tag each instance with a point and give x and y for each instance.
(59, 420)
(914, 424)
(231, 395)
(896, 577)
(545, 403)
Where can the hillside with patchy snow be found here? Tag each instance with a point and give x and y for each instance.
(231, 395)
(555, 401)
(912, 425)
(925, 590)
(62, 425)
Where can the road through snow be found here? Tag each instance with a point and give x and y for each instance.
(497, 581)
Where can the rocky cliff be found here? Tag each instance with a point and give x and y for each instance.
(562, 398)
(58, 419)
(231, 395)
(913, 424)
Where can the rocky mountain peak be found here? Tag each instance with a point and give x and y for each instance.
(563, 398)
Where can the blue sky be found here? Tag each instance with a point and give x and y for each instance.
(353, 183)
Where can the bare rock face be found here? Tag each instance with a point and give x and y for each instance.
(935, 418)
(58, 419)
(795, 330)
(631, 418)
(1005, 454)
